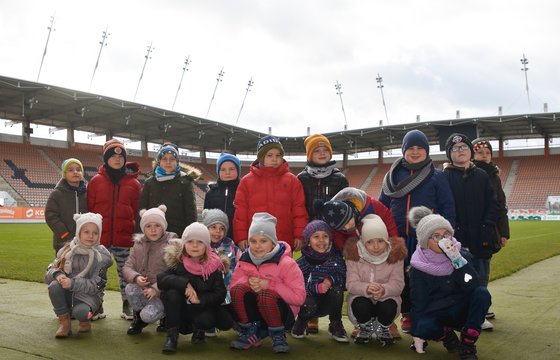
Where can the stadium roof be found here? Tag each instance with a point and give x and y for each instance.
(58, 107)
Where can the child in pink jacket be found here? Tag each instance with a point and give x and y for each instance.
(267, 287)
(375, 280)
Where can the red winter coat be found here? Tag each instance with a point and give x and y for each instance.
(273, 190)
(117, 203)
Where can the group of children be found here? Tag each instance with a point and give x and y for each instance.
(206, 281)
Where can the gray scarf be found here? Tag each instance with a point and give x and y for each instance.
(77, 248)
(322, 171)
(410, 183)
(259, 260)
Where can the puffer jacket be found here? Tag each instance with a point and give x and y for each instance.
(88, 289)
(273, 190)
(221, 195)
(390, 274)
(146, 259)
(320, 189)
(177, 194)
(476, 209)
(334, 268)
(282, 272)
(117, 203)
(210, 292)
(62, 204)
(434, 193)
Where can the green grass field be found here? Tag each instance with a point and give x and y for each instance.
(26, 250)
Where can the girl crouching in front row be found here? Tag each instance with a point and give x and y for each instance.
(192, 288)
(76, 278)
(267, 287)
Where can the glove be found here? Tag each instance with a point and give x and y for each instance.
(452, 253)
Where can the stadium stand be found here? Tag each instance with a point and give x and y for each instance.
(32, 171)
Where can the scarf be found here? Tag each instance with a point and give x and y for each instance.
(420, 172)
(203, 269)
(75, 247)
(320, 171)
(373, 259)
(431, 262)
(115, 175)
(315, 258)
(259, 260)
(80, 189)
(161, 175)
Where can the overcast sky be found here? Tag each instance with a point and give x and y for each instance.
(435, 57)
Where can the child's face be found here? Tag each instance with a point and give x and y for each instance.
(228, 171)
(376, 247)
(483, 154)
(273, 158)
(320, 155)
(217, 232)
(350, 225)
(74, 174)
(319, 242)
(89, 234)
(195, 248)
(435, 237)
(460, 154)
(168, 163)
(116, 162)
(260, 245)
(415, 155)
(153, 231)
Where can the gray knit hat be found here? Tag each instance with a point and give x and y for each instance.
(215, 216)
(263, 224)
(426, 223)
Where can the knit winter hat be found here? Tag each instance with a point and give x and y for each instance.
(265, 144)
(335, 213)
(456, 138)
(153, 215)
(228, 157)
(168, 149)
(312, 142)
(415, 138)
(215, 216)
(373, 228)
(196, 231)
(482, 143)
(263, 224)
(313, 227)
(67, 163)
(89, 217)
(112, 147)
(426, 223)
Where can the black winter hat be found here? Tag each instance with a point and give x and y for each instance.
(456, 138)
(335, 213)
(265, 144)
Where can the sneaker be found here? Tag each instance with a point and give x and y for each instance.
(450, 341)
(487, 325)
(383, 335)
(211, 332)
(467, 352)
(299, 330)
(99, 314)
(313, 326)
(490, 315)
(365, 332)
(406, 322)
(419, 345)
(337, 331)
(198, 337)
(126, 311)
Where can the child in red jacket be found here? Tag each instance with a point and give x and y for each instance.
(270, 187)
(114, 193)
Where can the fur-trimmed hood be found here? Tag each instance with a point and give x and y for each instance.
(172, 252)
(138, 237)
(398, 249)
(186, 170)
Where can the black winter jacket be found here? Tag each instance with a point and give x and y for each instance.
(221, 195)
(322, 189)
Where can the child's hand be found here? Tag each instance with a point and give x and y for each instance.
(242, 245)
(378, 291)
(258, 284)
(327, 285)
(297, 244)
(64, 281)
(149, 293)
(142, 281)
(452, 253)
